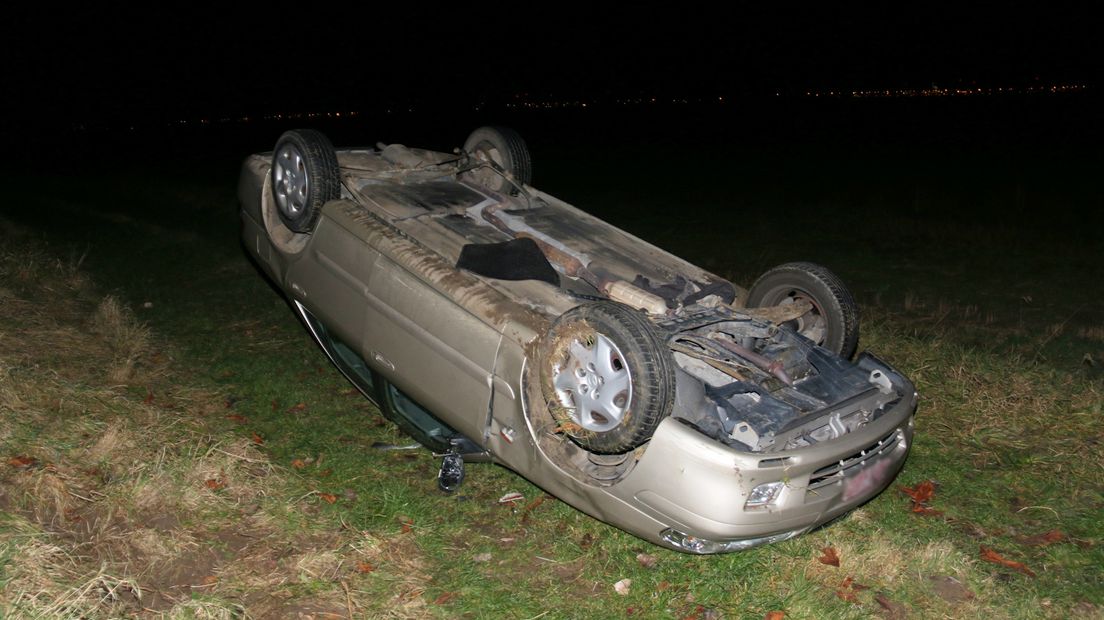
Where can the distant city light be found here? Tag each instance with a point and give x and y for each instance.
(530, 101)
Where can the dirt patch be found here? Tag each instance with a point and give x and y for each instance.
(950, 589)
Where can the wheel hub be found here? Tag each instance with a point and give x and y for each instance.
(291, 181)
(594, 384)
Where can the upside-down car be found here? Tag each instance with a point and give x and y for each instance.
(494, 322)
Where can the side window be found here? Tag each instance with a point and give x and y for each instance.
(355, 364)
(411, 417)
(417, 415)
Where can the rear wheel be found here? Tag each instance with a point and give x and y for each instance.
(305, 176)
(833, 321)
(606, 376)
(500, 149)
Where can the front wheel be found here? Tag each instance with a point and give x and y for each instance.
(607, 376)
(499, 149)
(833, 321)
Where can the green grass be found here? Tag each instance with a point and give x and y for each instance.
(1008, 427)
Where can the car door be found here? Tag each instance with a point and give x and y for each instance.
(331, 279)
(432, 349)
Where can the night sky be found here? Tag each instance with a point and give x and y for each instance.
(128, 64)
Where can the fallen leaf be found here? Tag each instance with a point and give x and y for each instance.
(214, 484)
(275, 404)
(830, 557)
(240, 419)
(532, 506)
(297, 407)
(511, 497)
(149, 396)
(586, 541)
(774, 615)
(920, 495)
(921, 492)
(646, 560)
(446, 597)
(257, 439)
(298, 464)
(990, 555)
(663, 586)
(1042, 540)
(364, 567)
(329, 498)
(407, 524)
(482, 557)
(209, 580)
(848, 590)
(22, 462)
(622, 587)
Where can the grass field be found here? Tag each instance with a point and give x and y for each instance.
(173, 443)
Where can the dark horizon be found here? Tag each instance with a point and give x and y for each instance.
(99, 64)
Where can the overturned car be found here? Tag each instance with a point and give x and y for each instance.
(492, 321)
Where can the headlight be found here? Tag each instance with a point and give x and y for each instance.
(764, 494)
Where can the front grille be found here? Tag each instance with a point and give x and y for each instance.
(834, 472)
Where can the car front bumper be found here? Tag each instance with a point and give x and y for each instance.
(699, 488)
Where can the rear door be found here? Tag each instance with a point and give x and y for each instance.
(432, 349)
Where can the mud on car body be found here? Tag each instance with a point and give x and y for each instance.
(493, 321)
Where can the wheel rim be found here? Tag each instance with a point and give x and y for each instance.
(594, 384)
(813, 324)
(485, 175)
(290, 181)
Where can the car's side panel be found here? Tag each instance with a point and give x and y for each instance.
(433, 350)
(402, 327)
(333, 280)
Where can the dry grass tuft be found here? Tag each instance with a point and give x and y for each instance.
(401, 566)
(47, 493)
(207, 610)
(124, 502)
(48, 581)
(128, 340)
(320, 565)
(112, 441)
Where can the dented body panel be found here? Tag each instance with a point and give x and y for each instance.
(378, 285)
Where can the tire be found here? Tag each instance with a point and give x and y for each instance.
(505, 148)
(305, 176)
(607, 376)
(833, 323)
